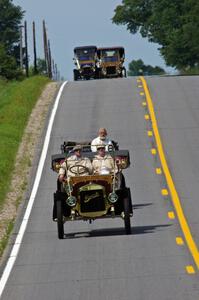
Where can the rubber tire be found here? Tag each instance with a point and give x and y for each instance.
(124, 72)
(123, 182)
(127, 221)
(60, 223)
(75, 75)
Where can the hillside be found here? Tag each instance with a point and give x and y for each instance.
(23, 110)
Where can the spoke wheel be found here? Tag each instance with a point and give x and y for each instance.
(127, 221)
(60, 223)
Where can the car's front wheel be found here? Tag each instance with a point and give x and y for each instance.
(75, 75)
(60, 223)
(127, 221)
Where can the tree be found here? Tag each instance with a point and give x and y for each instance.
(41, 66)
(10, 20)
(8, 66)
(172, 24)
(137, 67)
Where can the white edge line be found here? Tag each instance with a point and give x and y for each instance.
(17, 244)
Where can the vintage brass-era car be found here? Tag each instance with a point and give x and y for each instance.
(92, 196)
(85, 58)
(110, 62)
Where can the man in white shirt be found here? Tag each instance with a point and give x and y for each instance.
(75, 165)
(103, 163)
(101, 139)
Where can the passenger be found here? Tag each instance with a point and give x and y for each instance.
(103, 163)
(75, 165)
(101, 139)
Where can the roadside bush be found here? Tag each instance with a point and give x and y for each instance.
(8, 66)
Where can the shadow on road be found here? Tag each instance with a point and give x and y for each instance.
(115, 231)
(138, 206)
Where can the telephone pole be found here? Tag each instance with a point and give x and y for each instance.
(26, 50)
(34, 49)
(21, 47)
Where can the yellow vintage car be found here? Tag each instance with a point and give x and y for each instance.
(92, 196)
(110, 62)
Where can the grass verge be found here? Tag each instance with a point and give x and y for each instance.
(3, 242)
(17, 100)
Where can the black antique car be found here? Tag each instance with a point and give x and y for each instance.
(92, 196)
(85, 58)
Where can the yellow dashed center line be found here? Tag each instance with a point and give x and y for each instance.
(179, 241)
(164, 192)
(146, 117)
(153, 151)
(190, 270)
(150, 133)
(158, 171)
(171, 215)
(174, 195)
(143, 103)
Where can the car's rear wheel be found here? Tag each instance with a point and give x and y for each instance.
(60, 223)
(127, 221)
(123, 74)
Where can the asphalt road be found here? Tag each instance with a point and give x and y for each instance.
(98, 261)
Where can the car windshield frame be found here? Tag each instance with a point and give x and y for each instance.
(85, 54)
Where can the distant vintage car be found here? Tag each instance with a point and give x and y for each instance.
(94, 196)
(85, 59)
(110, 62)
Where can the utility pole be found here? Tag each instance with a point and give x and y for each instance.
(56, 73)
(53, 69)
(49, 61)
(21, 47)
(34, 49)
(45, 47)
(26, 50)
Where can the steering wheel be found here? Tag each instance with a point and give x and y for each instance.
(79, 169)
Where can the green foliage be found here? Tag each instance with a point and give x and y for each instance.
(17, 100)
(172, 24)
(137, 67)
(8, 66)
(190, 71)
(10, 19)
(41, 68)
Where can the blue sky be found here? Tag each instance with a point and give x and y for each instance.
(83, 22)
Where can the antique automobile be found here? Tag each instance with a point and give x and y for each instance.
(85, 58)
(110, 62)
(94, 196)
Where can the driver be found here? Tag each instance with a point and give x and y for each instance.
(75, 165)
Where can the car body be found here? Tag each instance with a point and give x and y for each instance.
(110, 62)
(85, 58)
(92, 196)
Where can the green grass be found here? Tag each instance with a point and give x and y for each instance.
(3, 242)
(17, 100)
